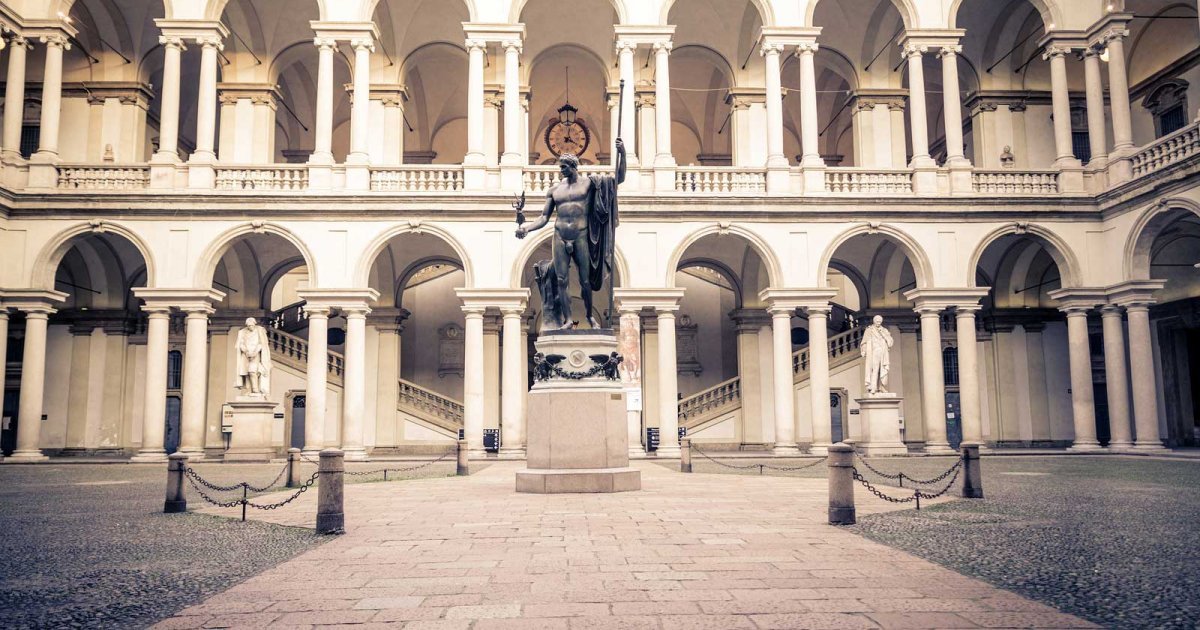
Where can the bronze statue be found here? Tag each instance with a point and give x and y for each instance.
(583, 234)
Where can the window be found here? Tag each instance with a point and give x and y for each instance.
(1171, 121)
(31, 136)
(1167, 102)
(950, 366)
(1081, 142)
(174, 369)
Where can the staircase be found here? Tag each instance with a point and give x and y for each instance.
(428, 408)
(698, 411)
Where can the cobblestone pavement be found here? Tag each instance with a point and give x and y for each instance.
(1111, 539)
(689, 551)
(85, 545)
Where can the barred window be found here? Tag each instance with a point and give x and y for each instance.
(31, 136)
(950, 366)
(174, 369)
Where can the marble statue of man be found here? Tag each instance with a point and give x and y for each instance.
(253, 359)
(875, 346)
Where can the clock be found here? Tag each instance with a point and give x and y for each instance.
(567, 138)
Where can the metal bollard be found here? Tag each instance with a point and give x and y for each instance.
(293, 464)
(685, 455)
(464, 468)
(331, 519)
(841, 484)
(176, 502)
(972, 487)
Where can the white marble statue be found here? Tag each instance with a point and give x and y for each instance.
(253, 360)
(875, 347)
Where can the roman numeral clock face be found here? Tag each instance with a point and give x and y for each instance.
(567, 138)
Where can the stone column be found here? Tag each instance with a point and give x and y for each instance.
(775, 156)
(916, 105)
(512, 104)
(14, 97)
(473, 378)
(323, 125)
(474, 162)
(1095, 107)
(818, 378)
(933, 384)
(358, 176)
(628, 110)
(1082, 397)
(809, 133)
(154, 411)
(748, 325)
(354, 378)
(1061, 104)
(668, 384)
(952, 106)
(785, 394)
(51, 97)
(1116, 377)
(512, 418)
(195, 383)
(662, 113)
(317, 375)
(168, 117)
(33, 381)
(969, 394)
(1118, 92)
(1141, 361)
(206, 105)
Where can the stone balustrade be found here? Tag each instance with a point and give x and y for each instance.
(722, 396)
(866, 181)
(430, 403)
(1014, 182)
(276, 177)
(718, 179)
(1167, 150)
(103, 177)
(431, 178)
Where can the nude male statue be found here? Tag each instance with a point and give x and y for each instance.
(581, 235)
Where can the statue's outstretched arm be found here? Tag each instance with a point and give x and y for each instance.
(541, 221)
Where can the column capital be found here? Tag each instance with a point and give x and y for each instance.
(807, 48)
(663, 47)
(1055, 50)
(157, 310)
(324, 43)
(210, 41)
(1092, 52)
(475, 44)
(172, 41)
(913, 49)
(1078, 299)
(1134, 292)
(749, 319)
(941, 299)
(949, 50)
(320, 311)
(797, 298)
(512, 46)
(366, 43)
(665, 299)
(18, 41)
(625, 45)
(1111, 310)
(56, 40)
(32, 300)
(1111, 27)
(770, 48)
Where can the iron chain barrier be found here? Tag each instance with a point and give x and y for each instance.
(760, 467)
(385, 471)
(900, 476)
(199, 483)
(918, 494)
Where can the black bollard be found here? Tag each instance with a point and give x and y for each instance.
(685, 455)
(331, 519)
(293, 467)
(841, 485)
(464, 468)
(972, 487)
(176, 502)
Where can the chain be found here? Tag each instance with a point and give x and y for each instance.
(300, 491)
(270, 485)
(225, 504)
(794, 468)
(917, 494)
(902, 477)
(875, 470)
(949, 484)
(866, 484)
(705, 456)
(360, 473)
(926, 482)
(758, 466)
(195, 476)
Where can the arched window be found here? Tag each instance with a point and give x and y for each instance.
(950, 365)
(1168, 104)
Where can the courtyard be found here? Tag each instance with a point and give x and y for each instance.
(1058, 542)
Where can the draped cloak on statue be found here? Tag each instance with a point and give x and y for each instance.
(253, 356)
(601, 209)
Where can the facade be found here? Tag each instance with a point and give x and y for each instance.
(1012, 185)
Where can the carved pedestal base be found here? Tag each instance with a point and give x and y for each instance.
(881, 425)
(251, 438)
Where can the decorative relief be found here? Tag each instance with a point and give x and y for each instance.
(450, 350)
(687, 357)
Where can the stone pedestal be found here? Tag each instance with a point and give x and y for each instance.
(880, 425)
(251, 437)
(577, 429)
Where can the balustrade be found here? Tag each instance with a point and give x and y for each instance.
(842, 347)
(80, 177)
(1015, 182)
(417, 179)
(274, 177)
(868, 181)
(720, 180)
(722, 395)
(429, 402)
(1167, 150)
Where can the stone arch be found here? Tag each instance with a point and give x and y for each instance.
(1050, 11)
(45, 266)
(370, 5)
(907, 244)
(906, 8)
(518, 6)
(362, 269)
(534, 241)
(764, 12)
(760, 247)
(406, 275)
(735, 279)
(1054, 245)
(1147, 228)
(211, 257)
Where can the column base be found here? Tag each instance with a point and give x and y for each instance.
(193, 454)
(785, 450)
(819, 449)
(667, 452)
(1149, 446)
(924, 181)
(814, 177)
(1085, 446)
(356, 454)
(512, 452)
(960, 176)
(25, 457)
(149, 456)
(938, 448)
(1120, 445)
(474, 177)
(202, 175)
(320, 176)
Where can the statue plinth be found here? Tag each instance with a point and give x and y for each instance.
(253, 416)
(576, 424)
(880, 415)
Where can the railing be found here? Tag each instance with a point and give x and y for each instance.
(713, 179)
(429, 403)
(539, 179)
(294, 350)
(271, 177)
(868, 181)
(79, 177)
(1015, 182)
(722, 396)
(1167, 150)
(842, 347)
(417, 178)
(288, 318)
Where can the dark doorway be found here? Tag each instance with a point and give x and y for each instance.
(953, 419)
(171, 436)
(8, 434)
(296, 432)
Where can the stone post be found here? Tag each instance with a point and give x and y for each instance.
(464, 467)
(317, 375)
(809, 130)
(968, 373)
(972, 487)
(293, 467)
(14, 97)
(33, 383)
(201, 173)
(1118, 96)
(331, 517)
(952, 106)
(358, 173)
(778, 177)
(474, 162)
(662, 113)
(1116, 376)
(176, 501)
(841, 484)
(685, 455)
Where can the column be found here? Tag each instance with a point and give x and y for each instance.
(14, 97)
(809, 134)
(668, 385)
(1141, 361)
(195, 383)
(154, 411)
(354, 382)
(360, 109)
(512, 104)
(3, 356)
(969, 395)
(1061, 105)
(473, 378)
(475, 51)
(51, 97)
(317, 373)
(168, 118)
(323, 134)
(1082, 397)
(784, 389)
(206, 105)
(952, 106)
(818, 378)
(1118, 92)
(933, 384)
(916, 105)
(1095, 107)
(775, 156)
(33, 381)
(1116, 377)
(393, 126)
(662, 103)
(512, 418)
(748, 323)
(628, 110)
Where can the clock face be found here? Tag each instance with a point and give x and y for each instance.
(562, 138)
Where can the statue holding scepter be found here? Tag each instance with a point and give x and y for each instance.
(583, 234)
